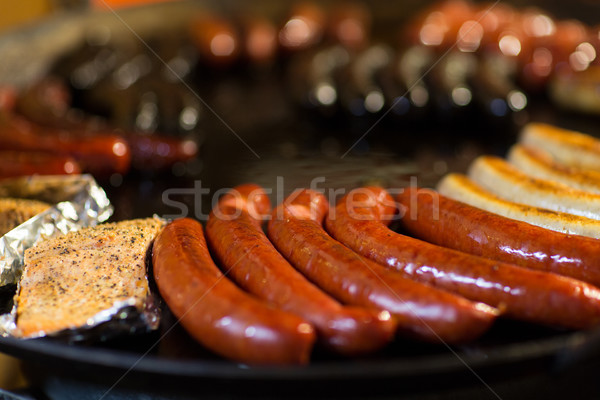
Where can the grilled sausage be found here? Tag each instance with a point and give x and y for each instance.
(506, 181)
(350, 24)
(48, 104)
(260, 40)
(538, 163)
(98, 154)
(360, 223)
(421, 311)
(234, 229)
(303, 28)
(567, 147)
(154, 152)
(449, 223)
(216, 39)
(217, 313)
(8, 98)
(20, 163)
(460, 187)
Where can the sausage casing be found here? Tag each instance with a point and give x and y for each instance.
(508, 182)
(217, 313)
(460, 187)
(20, 163)
(536, 296)
(449, 223)
(421, 311)
(98, 154)
(234, 230)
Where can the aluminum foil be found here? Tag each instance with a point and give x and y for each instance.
(78, 201)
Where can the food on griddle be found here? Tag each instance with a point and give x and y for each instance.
(359, 92)
(216, 39)
(454, 62)
(8, 98)
(422, 312)
(508, 182)
(304, 27)
(13, 212)
(360, 221)
(410, 69)
(22, 163)
(571, 148)
(217, 313)
(48, 103)
(260, 40)
(100, 154)
(536, 43)
(460, 187)
(540, 164)
(73, 279)
(237, 240)
(578, 91)
(438, 219)
(538, 209)
(457, 58)
(45, 108)
(349, 24)
(312, 78)
(460, 58)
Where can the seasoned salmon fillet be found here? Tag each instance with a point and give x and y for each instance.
(13, 212)
(71, 278)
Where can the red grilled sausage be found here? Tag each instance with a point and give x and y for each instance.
(155, 152)
(421, 311)
(217, 313)
(8, 98)
(349, 24)
(449, 223)
(360, 221)
(98, 154)
(20, 163)
(235, 236)
(48, 104)
(304, 27)
(216, 39)
(260, 40)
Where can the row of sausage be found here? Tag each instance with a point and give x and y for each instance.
(342, 278)
(40, 133)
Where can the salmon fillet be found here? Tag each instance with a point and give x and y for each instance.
(13, 212)
(71, 278)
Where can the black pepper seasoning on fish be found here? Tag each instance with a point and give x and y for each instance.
(69, 279)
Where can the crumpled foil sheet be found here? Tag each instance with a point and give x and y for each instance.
(78, 201)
